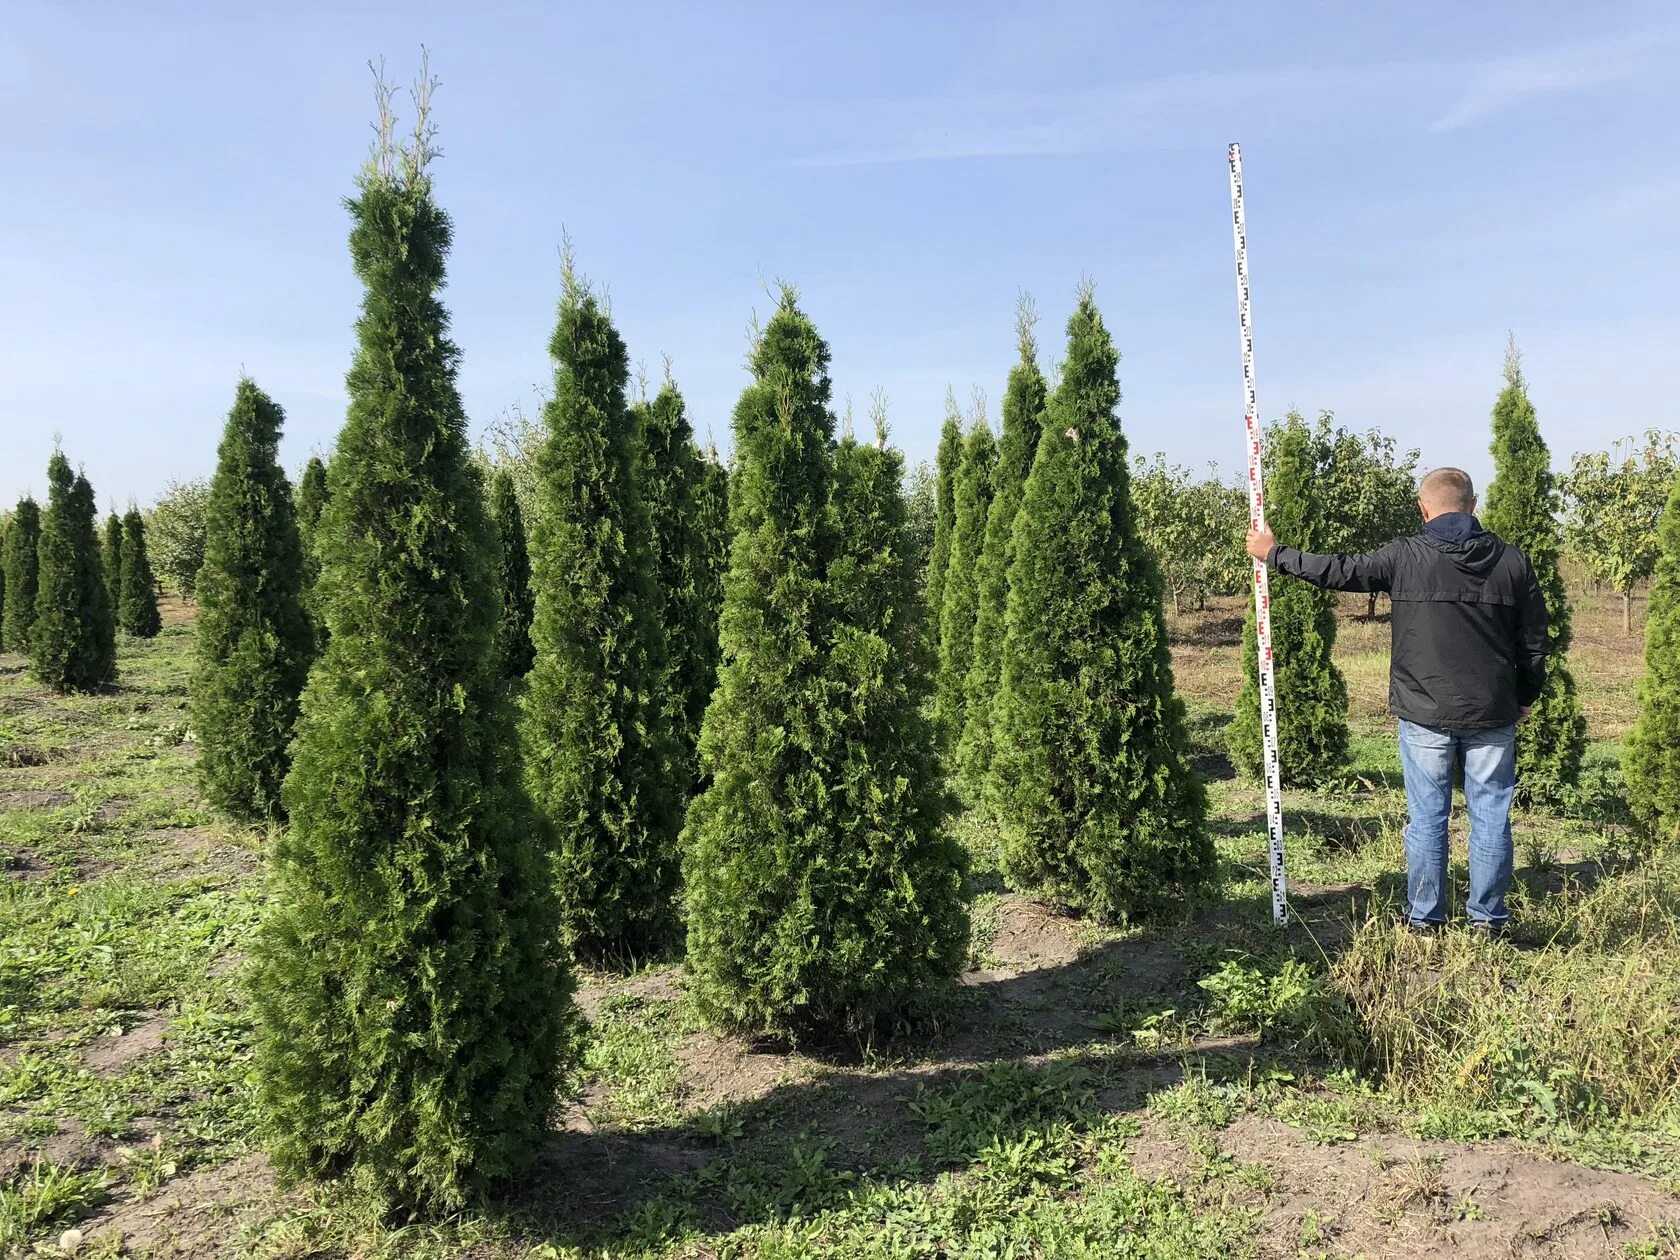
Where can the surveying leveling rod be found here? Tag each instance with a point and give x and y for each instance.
(1262, 587)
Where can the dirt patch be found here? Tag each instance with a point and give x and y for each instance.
(663, 984)
(20, 756)
(70, 1148)
(1395, 1196)
(190, 1216)
(113, 1055)
(188, 850)
(114, 808)
(723, 1070)
(34, 798)
(1030, 937)
(25, 864)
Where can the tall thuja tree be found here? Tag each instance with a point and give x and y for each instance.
(254, 641)
(310, 500)
(599, 757)
(1311, 692)
(1091, 778)
(110, 554)
(22, 560)
(711, 514)
(73, 641)
(672, 476)
(973, 498)
(1653, 746)
(1521, 507)
(944, 522)
(1023, 420)
(513, 578)
(137, 613)
(412, 993)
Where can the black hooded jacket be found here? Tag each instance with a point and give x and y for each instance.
(1469, 625)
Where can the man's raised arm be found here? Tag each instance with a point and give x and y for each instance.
(1371, 571)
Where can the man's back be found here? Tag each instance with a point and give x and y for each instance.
(1469, 624)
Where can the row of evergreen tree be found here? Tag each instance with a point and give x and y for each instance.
(64, 594)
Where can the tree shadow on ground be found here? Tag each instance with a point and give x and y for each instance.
(1016, 1053)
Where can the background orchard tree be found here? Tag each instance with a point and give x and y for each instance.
(1653, 746)
(110, 557)
(944, 521)
(1615, 500)
(513, 578)
(1367, 487)
(176, 532)
(921, 516)
(1196, 528)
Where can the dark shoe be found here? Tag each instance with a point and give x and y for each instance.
(1420, 927)
(1488, 930)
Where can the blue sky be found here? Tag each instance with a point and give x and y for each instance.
(1421, 178)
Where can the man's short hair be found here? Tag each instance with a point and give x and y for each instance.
(1448, 490)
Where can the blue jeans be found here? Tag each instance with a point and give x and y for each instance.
(1489, 760)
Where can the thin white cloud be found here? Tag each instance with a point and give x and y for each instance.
(1510, 81)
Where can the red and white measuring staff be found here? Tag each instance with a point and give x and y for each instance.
(1262, 587)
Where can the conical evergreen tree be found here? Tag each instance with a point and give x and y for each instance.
(110, 559)
(711, 512)
(137, 613)
(1023, 421)
(672, 478)
(1311, 692)
(600, 760)
(310, 500)
(23, 545)
(513, 578)
(73, 641)
(254, 641)
(944, 522)
(1101, 810)
(973, 499)
(1653, 746)
(410, 985)
(1521, 507)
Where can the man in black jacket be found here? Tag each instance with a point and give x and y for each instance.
(1469, 658)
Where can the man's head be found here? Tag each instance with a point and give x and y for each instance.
(1446, 490)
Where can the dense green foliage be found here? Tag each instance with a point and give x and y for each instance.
(1653, 746)
(821, 893)
(1023, 420)
(513, 578)
(1367, 488)
(1521, 507)
(1101, 809)
(711, 515)
(944, 522)
(973, 499)
(1311, 693)
(1616, 500)
(177, 534)
(73, 640)
(111, 559)
(137, 613)
(600, 761)
(921, 514)
(685, 569)
(309, 501)
(410, 986)
(254, 639)
(22, 562)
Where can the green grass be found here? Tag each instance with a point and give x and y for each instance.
(1092, 1102)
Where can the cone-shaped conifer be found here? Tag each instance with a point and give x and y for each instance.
(310, 500)
(513, 578)
(599, 757)
(254, 641)
(944, 522)
(137, 613)
(412, 992)
(1521, 507)
(672, 478)
(797, 918)
(1100, 808)
(1311, 692)
(973, 498)
(73, 641)
(1023, 420)
(23, 547)
(110, 559)
(1653, 746)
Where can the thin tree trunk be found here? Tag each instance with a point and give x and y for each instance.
(1627, 611)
